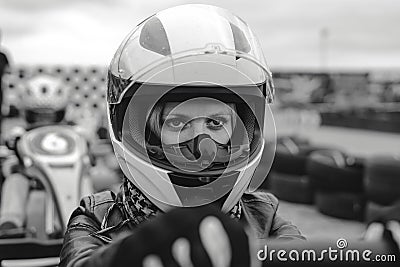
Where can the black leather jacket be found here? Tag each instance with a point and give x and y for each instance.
(99, 224)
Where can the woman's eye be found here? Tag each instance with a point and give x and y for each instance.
(215, 123)
(175, 123)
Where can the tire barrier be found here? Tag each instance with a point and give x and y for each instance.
(335, 171)
(290, 158)
(288, 163)
(382, 179)
(289, 178)
(292, 188)
(293, 160)
(344, 205)
(379, 213)
(284, 143)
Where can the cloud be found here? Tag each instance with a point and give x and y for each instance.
(88, 32)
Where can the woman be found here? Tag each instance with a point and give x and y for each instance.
(188, 91)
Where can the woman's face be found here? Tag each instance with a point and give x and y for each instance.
(184, 121)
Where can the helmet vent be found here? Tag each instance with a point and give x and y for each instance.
(154, 38)
(241, 42)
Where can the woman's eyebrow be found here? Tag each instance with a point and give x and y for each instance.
(220, 114)
(181, 117)
(185, 116)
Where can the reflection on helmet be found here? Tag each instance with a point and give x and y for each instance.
(44, 99)
(162, 62)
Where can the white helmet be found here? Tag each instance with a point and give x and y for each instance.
(177, 55)
(44, 99)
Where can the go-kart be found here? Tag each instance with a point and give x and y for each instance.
(56, 159)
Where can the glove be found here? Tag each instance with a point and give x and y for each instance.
(386, 226)
(201, 236)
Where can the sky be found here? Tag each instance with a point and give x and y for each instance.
(295, 34)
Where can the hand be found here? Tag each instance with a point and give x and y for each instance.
(213, 237)
(188, 238)
(385, 225)
(376, 231)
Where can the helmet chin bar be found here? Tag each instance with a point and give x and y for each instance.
(199, 153)
(194, 191)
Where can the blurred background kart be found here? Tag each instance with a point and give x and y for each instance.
(56, 161)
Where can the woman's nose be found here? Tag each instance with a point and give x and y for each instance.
(198, 127)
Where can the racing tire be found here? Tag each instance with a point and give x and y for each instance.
(292, 188)
(375, 212)
(330, 175)
(382, 180)
(289, 162)
(343, 205)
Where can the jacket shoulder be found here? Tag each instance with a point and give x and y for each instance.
(259, 209)
(95, 206)
(94, 201)
(261, 196)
